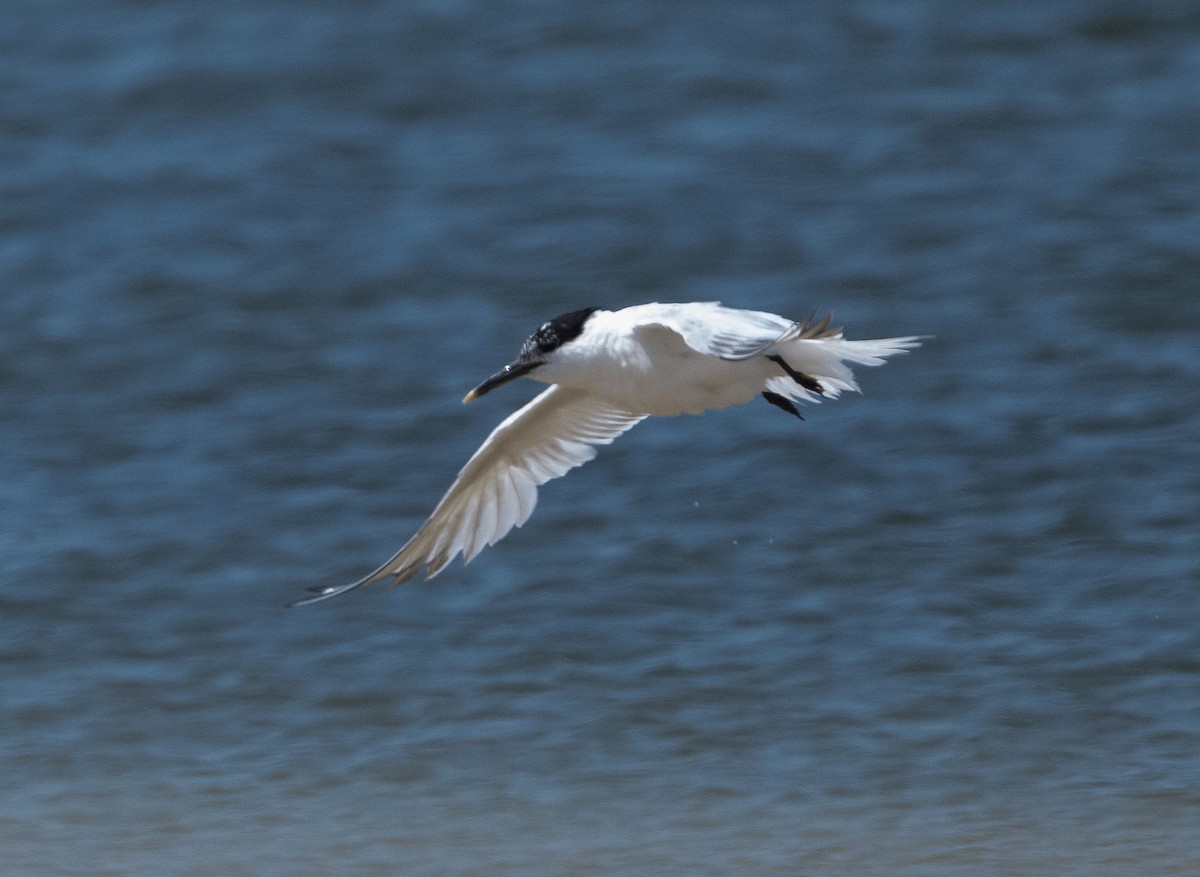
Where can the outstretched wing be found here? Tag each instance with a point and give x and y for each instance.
(714, 330)
(497, 488)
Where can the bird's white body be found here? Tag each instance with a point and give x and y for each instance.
(665, 359)
(627, 354)
(608, 370)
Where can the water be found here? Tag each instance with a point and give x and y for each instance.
(252, 256)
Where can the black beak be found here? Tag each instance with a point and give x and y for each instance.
(510, 372)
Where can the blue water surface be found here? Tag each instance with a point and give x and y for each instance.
(253, 254)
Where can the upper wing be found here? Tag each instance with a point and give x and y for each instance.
(497, 488)
(714, 330)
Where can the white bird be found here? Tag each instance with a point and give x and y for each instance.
(608, 370)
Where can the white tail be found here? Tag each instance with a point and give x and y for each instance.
(823, 353)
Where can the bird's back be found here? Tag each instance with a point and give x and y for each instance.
(666, 359)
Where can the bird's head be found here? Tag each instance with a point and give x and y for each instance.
(537, 350)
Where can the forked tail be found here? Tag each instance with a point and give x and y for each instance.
(820, 354)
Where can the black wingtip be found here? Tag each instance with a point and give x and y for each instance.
(326, 592)
(320, 593)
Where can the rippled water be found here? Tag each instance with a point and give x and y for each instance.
(252, 256)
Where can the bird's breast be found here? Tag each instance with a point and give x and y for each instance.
(661, 379)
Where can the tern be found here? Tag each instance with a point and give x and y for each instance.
(607, 371)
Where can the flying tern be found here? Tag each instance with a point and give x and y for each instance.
(607, 371)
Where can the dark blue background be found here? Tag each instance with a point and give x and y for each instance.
(251, 256)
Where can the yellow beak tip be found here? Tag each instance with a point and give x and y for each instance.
(470, 397)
